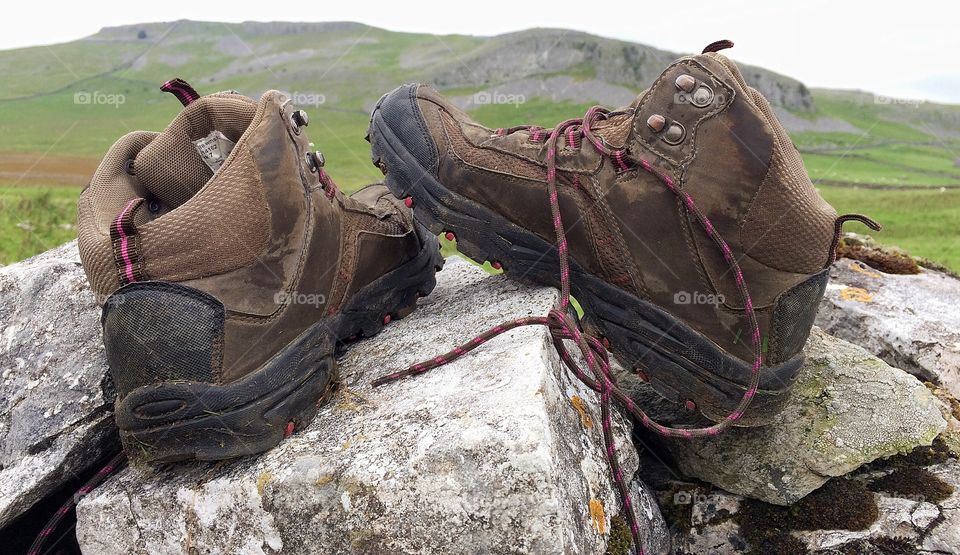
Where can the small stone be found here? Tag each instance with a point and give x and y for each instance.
(924, 514)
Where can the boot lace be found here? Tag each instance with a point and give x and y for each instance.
(563, 326)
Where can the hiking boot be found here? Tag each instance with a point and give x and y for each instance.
(230, 269)
(671, 293)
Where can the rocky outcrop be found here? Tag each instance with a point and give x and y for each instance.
(53, 420)
(911, 321)
(515, 63)
(497, 452)
(847, 408)
(905, 505)
(501, 451)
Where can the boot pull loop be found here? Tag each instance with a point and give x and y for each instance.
(717, 46)
(838, 230)
(180, 89)
(126, 244)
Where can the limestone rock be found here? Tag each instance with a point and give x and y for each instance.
(500, 451)
(53, 419)
(910, 321)
(890, 522)
(847, 408)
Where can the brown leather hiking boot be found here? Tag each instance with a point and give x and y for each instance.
(698, 246)
(231, 268)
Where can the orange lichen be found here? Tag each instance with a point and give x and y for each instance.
(861, 270)
(578, 404)
(262, 482)
(598, 519)
(856, 294)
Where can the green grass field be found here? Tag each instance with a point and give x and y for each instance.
(34, 219)
(925, 221)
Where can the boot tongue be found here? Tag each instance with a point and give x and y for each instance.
(615, 130)
(181, 159)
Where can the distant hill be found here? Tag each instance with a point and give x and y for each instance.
(349, 65)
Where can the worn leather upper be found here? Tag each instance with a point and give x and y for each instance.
(263, 234)
(733, 158)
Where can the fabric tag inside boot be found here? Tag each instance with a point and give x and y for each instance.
(214, 149)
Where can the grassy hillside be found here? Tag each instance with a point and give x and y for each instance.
(62, 106)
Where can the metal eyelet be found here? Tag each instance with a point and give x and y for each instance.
(656, 122)
(685, 83)
(314, 160)
(298, 120)
(674, 133)
(702, 96)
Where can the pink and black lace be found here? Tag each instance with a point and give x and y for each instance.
(563, 327)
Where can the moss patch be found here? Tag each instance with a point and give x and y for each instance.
(678, 516)
(886, 260)
(914, 482)
(839, 504)
(620, 539)
(884, 545)
(924, 455)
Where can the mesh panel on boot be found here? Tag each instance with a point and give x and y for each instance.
(791, 223)
(224, 227)
(170, 167)
(160, 332)
(793, 316)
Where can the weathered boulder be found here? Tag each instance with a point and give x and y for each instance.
(500, 451)
(53, 420)
(898, 507)
(911, 321)
(847, 408)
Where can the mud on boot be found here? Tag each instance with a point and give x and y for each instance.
(231, 269)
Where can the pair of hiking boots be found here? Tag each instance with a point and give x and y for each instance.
(231, 268)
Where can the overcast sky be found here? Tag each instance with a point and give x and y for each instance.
(895, 48)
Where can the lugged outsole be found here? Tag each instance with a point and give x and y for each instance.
(681, 364)
(254, 414)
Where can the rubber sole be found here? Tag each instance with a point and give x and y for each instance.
(681, 364)
(170, 422)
